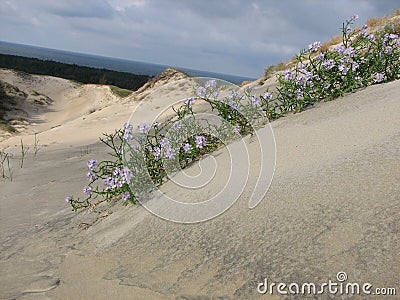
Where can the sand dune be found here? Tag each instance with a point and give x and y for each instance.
(333, 205)
(91, 108)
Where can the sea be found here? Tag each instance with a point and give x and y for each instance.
(102, 62)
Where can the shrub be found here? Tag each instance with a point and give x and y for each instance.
(360, 60)
(143, 158)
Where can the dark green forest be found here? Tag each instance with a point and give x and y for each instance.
(73, 72)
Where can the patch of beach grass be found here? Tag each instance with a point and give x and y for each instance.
(4, 126)
(120, 92)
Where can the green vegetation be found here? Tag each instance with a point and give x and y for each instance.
(82, 74)
(120, 92)
(362, 58)
(270, 70)
(143, 158)
(4, 126)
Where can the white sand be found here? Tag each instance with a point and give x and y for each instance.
(334, 205)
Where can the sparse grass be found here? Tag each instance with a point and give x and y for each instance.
(36, 146)
(270, 70)
(85, 151)
(337, 39)
(24, 151)
(281, 66)
(374, 22)
(75, 82)
(5, 162)
(120, 92)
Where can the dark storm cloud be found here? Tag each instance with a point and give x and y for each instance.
(231, 36)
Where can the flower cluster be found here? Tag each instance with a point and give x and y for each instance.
(118, 179)
(113, 174)
(360, 60)
(178, 140)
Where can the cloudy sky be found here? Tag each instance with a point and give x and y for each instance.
(239, 37)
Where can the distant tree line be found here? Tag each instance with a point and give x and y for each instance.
(73, 72)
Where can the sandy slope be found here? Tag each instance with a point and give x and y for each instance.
(334, 205)
(91, 108)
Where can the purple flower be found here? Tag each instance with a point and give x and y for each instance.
(349, 51)
(327, 85)
(126, 196)
(364, 30)
(314, 46)
(170, 153)
(127, 136)
(211, 84)
(321, 56)
(164, 143)
(68, 199)
(128, 131)
(393, 36)
(388, 49)
(119, 184)
(236, 129)
(144, 127)
(178, 125)
(187, 148)
(301, 80)
(92, 164)
(343, 69)
(355, 66)
(340, 49)
(90, 176)
(116, 171)
(299, 93)
(288, 75)
(189, 102)
(255, 100)
(328, 64)
(379, 77)
(268, 95)
(157, 152)
(127, 175)
(233, 104)
(156, 124)
(354, 17)
(128, 127)
(201, 92)
(87, 190)
(371, 37)
(109, 182)
(200, 142)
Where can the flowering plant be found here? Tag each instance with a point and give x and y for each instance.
(360, 60)
(143, 158)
